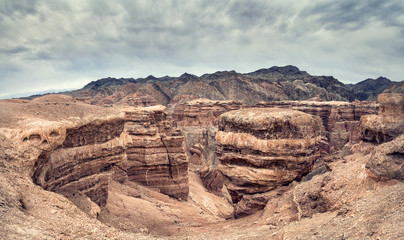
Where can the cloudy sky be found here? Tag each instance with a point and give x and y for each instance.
(55, 45)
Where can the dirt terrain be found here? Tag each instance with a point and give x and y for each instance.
(353, 199)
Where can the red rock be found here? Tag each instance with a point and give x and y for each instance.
(340, 119)
(388, 124)
(261, 149)
(87, 153)
(202, 112)
(138, 100)
(83, 161)
(155, 154)
(387, 160)
(197, 119)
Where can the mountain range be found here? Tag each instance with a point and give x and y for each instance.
(268, 84)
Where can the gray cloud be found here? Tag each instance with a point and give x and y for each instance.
(56, 44)
(18, 8)
(353, 15)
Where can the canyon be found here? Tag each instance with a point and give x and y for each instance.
(202, 168)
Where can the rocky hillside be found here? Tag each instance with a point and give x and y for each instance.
(275, 83)
(268, 84)
(396, 88)
(369, 89)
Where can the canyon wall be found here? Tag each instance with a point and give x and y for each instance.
(387, 129)
(388, 124)
(261, 149)
(155, 155)
(201, 112)
(89, 147)
(197, 120)
(84, 161)
(340, 119)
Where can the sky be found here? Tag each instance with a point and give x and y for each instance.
(51, 45)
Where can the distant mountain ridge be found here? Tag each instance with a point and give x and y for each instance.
(267, 84)
(369, 89)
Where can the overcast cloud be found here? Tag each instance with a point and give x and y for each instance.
(49, 44)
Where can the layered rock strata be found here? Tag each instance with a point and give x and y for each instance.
(136, 145)
(202, 112)
(387, 129)
(388, 124)
(155, 152)
(261, 149)
(197, 119)
(138, 100)
(340, 119)
(84, 160)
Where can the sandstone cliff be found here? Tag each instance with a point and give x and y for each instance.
(388, 124)
(386, 161)
(86, 150)
(198, 122)
(197, 119)
(155, 154)
(340, 119)
(261, 149)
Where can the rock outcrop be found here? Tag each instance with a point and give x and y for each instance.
(340, 119)
(155, 154)
(79, 147)
(388, 124)
(261, 149)
(84, 152)
(387, 160)
(84, 160)
(202, 112)
(197, 119)
(138, 100)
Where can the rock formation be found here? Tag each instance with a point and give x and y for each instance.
(88, 147)
(202, 112)
(275, 83)
(84, 160)
(388, 124)
(89, 153)
(197, 119)
(340, 119)
(261, 149)
(387, 160)
(155, 152)
(137, 100)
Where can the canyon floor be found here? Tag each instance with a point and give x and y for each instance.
(345, 202)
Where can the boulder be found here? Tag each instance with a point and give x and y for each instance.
(387, 160)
